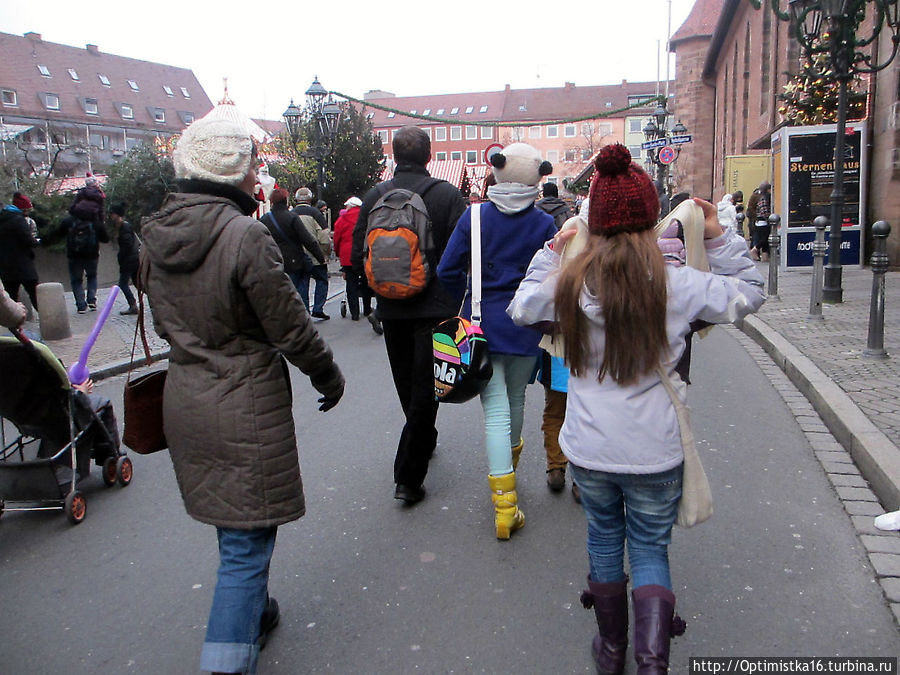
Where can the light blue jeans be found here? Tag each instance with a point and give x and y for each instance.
(239, 600)
(628, 507)
(503, 402)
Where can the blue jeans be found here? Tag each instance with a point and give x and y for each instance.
(78, 269)
(128, 275)
(300, 280)
(239, 600)
(637, 508)
(320, 275)
(503, 402)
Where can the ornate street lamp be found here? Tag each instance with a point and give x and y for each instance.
(657, 136)
(831, 28)
(327, 114)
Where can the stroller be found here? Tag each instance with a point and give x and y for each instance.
(59, 433)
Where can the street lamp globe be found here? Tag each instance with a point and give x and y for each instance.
(650, 130)
(331, 116)
(292, 120)
(315, 96)
(660, 114)
(679, 129)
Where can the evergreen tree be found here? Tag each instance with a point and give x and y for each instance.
(141, 179)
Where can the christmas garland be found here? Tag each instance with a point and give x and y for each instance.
(433, 118)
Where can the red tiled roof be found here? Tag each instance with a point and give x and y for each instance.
(492, 100)
(19, 72)
(271, 127)
(701, 22)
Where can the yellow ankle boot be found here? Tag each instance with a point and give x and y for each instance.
(507, 516)
(516, 451)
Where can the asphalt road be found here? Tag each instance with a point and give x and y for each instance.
(367, 585)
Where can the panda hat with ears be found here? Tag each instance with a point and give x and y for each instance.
(520, 163)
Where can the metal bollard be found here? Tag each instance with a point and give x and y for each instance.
(819, 249)
(875, 343)
(774, 253)
(740, 225)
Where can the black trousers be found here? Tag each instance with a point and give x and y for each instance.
(30, 286)
(410, 353)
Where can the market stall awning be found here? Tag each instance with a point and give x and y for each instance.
(450, 170)
(11, 131)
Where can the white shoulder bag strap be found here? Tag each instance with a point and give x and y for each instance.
(476, 264)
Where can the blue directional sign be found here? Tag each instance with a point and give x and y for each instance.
(686, 138)
(658, 143)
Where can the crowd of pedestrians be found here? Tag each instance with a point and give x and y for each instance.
(603, 328)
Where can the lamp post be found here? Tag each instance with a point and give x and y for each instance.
(831, 28)
(663, 145)
(322, 109)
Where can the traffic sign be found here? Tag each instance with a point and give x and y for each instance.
(658, 143)
(666, 154)
(490, 151)
(686, 138)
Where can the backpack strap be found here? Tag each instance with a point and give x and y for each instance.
(280, 231)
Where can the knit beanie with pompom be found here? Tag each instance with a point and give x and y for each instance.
(622, 197)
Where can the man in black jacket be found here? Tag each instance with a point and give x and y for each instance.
(552, 204)
(128, 255)
(83, 238)
(294, 240)
(408, 323)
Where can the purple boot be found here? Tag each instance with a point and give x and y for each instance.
(610, 603)
(655, 623)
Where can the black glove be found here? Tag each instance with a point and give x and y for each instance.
(329, 402)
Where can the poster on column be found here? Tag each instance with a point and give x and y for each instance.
(804, 183)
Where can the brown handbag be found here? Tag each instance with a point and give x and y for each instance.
(143, 399)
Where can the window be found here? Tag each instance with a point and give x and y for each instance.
(440, 156)
(634, 99)
(635, 151)
(534, 132)
(454, 111)
(487, 132)
(51, 101)
(412, 112)
(74, 74)
(471, 132)
(45, 71)
(427, 130)
(383, 135)
(427, 111)
(553, 131)
(90, 106)
(552, 156)
(440, 133)
(604, 129)
(469, 110)
(455, 133)
(370, 115)
(553, 179)
(456, 154)
(104, 80)
(187, 118)
(571, 155)
(126, 111)
(168, 90)
(184, 92)
(133, 85)
(391, 115)
(483, 109)
(587, 128)
(159, 115)
(585, 154)
(569, 131)
(8, 97)
(635, 125)
(440, 111)
(471, 156)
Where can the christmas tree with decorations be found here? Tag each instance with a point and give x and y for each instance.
(811, 96)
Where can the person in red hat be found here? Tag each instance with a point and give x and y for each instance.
(17, 243)
(623, 315)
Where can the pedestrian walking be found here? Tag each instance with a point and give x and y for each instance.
(18, 240)
(727, 214)
(623, 314)
(232, 317)
(127, 256)
(552, 204)
(89, 201)
(356, 284)
(84, 233)
(512, 231)
(296, 243)
(759, 208)
(314, 221)
(408, 322)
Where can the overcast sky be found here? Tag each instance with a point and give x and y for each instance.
(270, 52)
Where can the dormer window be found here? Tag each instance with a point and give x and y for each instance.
(91, 107)
(159, 115)
(440, 111)
(134, 85)
(126, 111)
(390, 114)
(483, 109)
(168, 90)
(469, 110)
(104, 80)
(74, 74)
(412, 112)
(427, 111)
(454, 111)
(51, 101)
(184, 92)
(44, 70)
(8, 97)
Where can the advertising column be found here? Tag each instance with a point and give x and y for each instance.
(804, 180)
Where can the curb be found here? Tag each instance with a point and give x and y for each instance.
(877, 458)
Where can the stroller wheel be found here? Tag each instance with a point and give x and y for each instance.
(109, 471)
(124, 471)
(343, 309)
(76, 507)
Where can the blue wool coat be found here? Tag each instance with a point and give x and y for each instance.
(508, 243)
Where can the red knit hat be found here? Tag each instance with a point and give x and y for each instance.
(21, 202)
(623, 198)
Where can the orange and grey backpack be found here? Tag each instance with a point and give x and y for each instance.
(398, 243)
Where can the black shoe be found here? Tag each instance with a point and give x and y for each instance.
(92, 306)
(267, 623)
(130, 310)
(82, 310)
(354, 317)
(409, 493)
(376, 324)
(320, 315)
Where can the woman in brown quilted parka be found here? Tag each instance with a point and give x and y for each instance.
(233, 319)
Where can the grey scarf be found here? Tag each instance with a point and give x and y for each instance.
(511, 198)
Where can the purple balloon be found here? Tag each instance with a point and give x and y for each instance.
(78, 371)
